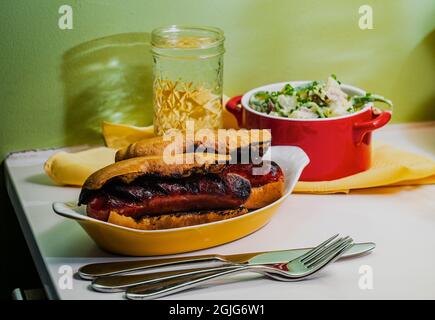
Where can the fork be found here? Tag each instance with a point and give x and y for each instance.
(295, 270)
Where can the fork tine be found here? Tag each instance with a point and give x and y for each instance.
(332, 254)
(328, 251)
(319, 247)
(330, 258)
(329, 247)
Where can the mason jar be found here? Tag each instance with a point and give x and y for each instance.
(187, 77)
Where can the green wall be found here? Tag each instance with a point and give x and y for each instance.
(266, 41)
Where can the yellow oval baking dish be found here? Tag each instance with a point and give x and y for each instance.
(132, 242)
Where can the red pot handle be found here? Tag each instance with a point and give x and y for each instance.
(234, 106)
(361, 128)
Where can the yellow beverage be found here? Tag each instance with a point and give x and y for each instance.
(187, 83)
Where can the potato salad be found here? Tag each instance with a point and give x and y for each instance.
(313, 100)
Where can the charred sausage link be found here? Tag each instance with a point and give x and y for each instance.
(153, 196)
(169, 196)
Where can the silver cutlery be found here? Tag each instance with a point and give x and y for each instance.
(118, 283)
(297, 269)
(94, 270)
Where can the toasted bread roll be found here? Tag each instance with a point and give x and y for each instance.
(223, 141)
(149, 193)
(265, 195)
(174, 220)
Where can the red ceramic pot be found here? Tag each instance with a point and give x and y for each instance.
(337, 147)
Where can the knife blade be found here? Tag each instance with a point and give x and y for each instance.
(94, 270)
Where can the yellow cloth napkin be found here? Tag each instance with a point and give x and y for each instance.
(117, 135)
(390, 166)
(66, 168)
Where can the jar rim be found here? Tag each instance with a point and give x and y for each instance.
(175, 30)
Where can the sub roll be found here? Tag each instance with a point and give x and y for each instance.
(148, 193)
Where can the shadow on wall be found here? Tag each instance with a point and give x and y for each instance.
(107, 79)
(418, 73)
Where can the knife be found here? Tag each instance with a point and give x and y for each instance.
(117, 283)
(94, 270)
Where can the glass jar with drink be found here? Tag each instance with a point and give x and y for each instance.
(187, 77)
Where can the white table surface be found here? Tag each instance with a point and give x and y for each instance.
(401, 220)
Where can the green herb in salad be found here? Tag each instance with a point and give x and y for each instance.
(316, 99)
